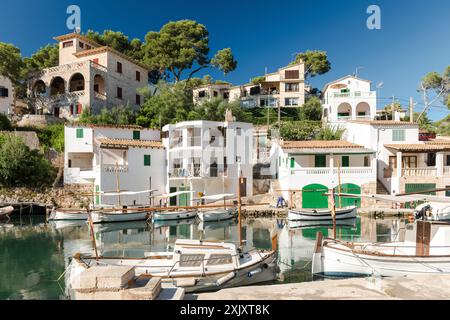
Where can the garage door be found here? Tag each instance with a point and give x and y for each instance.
(351, 189)
(417, 187)
(312, 196)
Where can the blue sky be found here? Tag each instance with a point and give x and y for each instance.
(413, 40)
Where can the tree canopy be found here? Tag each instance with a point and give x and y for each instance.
(312, 109)
(118, 115)
(439, 84)
(183, 46)
(215, 109)
(118, 41)
(316, 62)
(10, 62)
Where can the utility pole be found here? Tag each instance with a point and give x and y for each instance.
(411, 110)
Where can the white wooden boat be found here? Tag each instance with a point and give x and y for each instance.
(68, 214)
(434, 211)
(174, 215)
(6, 211)
(304, 224)
(322, 214)
(217, 215)
(425, 250)
(118, 215)
(193, 265)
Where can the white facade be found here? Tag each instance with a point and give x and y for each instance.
(348, 98)
(6, 95)
(88, 75)
(99, 155)
(306, 163)
(284, 88)
(403, 162)
(204, 156)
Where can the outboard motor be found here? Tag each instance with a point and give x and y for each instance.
(421, 214)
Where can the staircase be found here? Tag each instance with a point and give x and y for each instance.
(381, 189)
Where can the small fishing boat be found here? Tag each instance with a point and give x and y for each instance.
(68, 214)
(321, 214)
(434, 211)
(219, 214)
(6, 211)
(174, 214)
(194, 265)
(303, 224)
(118, 215)
(425, 250)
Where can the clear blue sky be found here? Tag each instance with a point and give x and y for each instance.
(414, 39)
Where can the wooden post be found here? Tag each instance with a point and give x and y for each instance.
(91, 225)
(239, 209)
(118, 184)
(339, 183)
(333, 212)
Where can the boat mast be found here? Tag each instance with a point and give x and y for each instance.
(117, 184)
(239, 203)
(91, 226)
(339, 182)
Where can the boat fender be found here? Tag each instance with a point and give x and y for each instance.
(225, 278)
(253, 272)
(265, 265)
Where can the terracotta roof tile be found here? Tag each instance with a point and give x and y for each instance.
(130, 143)
(108, 49)
(117, 126)
(417, 147)
(320, 144)
(384, 122)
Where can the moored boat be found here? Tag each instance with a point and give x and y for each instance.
(217, 215)
(194, 265)
(118, 215)
(174, 215)
(68, 214)
(301, 224)
(321, 214)
(6, 211)
(425, 250)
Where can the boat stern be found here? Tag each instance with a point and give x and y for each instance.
(317, 265)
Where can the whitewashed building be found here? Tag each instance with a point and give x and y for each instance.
(6, 95)
(204, 156)
(348, 98)
(405, 164)
(99, 155)
(308, 169)
(88, 75)
(283, 88)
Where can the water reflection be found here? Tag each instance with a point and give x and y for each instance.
(34, 254)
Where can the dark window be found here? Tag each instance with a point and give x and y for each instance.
(70, 163)
(71, 109)
(4, 92)
(96, 88)
(119, 92)
(447, 192)
(119, 67)
(136, 135)
(320, 161)
(81, 44)
(201, 94)
(366, 161)
(138, 99)
(226, 95)
(345, 161)
(292, 87)
(255, 90)
(448, 160)
(215, 93)
(67, 44)
(291, 74)
(138, 76)
(431, 159)
(147, 160)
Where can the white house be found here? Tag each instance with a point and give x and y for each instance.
(308, 169)
(348, 98)
(204, 156)
(88, 75)
(107, 157)
(405, 164)
(283, 88)
(6, 95)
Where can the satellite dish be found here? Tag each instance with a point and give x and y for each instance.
(380, 84)
(77, 30)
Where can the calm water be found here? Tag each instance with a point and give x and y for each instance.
(33, 254)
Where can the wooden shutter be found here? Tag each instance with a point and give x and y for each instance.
(136, 135)
(147, 160)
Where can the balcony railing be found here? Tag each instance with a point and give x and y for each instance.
(75, 66)
(112, 168)
(348, 171)
(190, 172)
(447, 170)
(66, 96)
(419, 172)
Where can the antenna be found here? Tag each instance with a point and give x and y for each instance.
(380, 85)
(356, 71)
(77, 30)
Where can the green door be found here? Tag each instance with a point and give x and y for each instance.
(173, 200)
(312, 196)
(183, 199)
(417, 187)
(352, 189)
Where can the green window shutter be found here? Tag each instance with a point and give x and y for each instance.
(398, 135)
(292, 162)
(97, 195)
(320, 161)
(345, 161)
(136, 135)
(147, 160)
(80, 133)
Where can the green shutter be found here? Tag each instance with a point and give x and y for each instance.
(345, 161)
(136, 135)
(292, 162)
(147, 160)
(320, 161)
(398, 135)
(80, 133)
(97, 195)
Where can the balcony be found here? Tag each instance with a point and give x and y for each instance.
(78, 175)
(112, 168)
(61, 98)
(415, 172)
(190, 172)
(327, 172)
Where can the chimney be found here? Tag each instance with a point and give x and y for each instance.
(396, 115)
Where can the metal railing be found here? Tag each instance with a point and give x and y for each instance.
(112, 168)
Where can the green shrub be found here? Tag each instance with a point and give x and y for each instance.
(5, 124)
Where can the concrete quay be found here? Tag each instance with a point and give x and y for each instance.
(429, 287)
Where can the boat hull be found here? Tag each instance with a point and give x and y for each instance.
(337, 262)
(217, 215)
(109, 217)
(321, 215)
(176, 215)
(68, 215)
